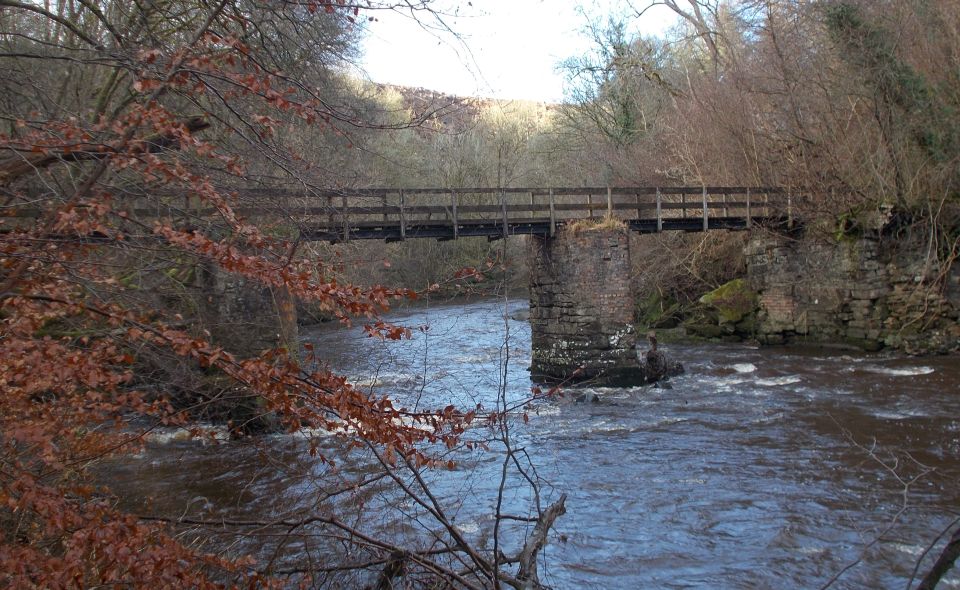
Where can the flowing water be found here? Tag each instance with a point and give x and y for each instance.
(759, 468)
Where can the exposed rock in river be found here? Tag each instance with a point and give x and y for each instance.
(655, 365)
(588, 397)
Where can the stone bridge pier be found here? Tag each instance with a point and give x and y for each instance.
(581, 308)
(246, 316)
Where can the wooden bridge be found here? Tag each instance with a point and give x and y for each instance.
(449, 214)
(394, 214)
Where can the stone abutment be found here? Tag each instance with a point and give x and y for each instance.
(246, 316)
(868, 292)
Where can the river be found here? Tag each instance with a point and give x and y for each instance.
(759, 468)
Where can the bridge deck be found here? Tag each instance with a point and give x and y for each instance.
(382, 214)
(493, 229)
(447, 214)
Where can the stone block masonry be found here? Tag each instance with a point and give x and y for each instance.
(581, 307)
(246, 316)
(869, 292)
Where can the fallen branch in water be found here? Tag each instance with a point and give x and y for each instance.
(943, 564)
(527, 576)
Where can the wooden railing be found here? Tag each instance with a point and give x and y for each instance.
(401, 213)
(428, 212)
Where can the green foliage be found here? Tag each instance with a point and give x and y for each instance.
(658, 311)
(848, 226)
(617, 89)
(931, 123)
(871, 48)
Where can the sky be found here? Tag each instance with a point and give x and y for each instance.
(506, 49)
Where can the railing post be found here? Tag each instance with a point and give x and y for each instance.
(503, 207)
(456, 223)
(637, 198)
(790, 208)
(386, 200)
(609, 202)
(589, 205)
(403, 219)
(683, 205)
(346, 222)
(659, 211)
(706, 222)
(553, 217)
(749, 222)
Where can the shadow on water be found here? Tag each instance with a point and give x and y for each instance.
(760, 468)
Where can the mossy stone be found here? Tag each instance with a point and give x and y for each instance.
(865, 344)
(733, 301)
(749, 325)
(705, 330)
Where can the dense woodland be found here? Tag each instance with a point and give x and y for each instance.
(130, 131)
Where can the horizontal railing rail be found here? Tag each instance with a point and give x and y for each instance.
(399, 213)
(402, 213)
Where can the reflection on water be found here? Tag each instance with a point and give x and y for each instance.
(759, 468)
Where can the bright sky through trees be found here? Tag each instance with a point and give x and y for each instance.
(506, 48)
